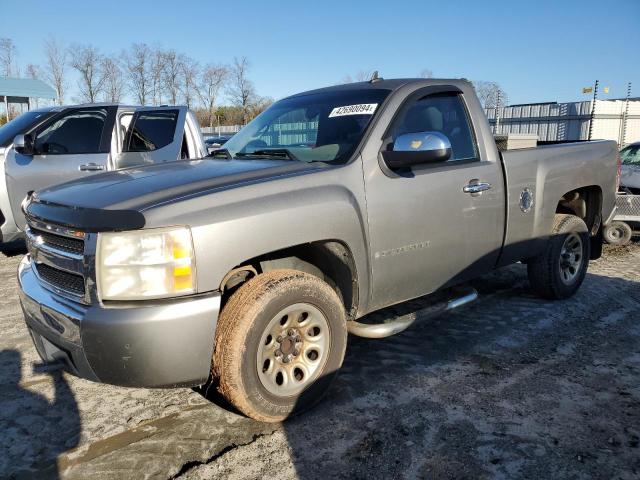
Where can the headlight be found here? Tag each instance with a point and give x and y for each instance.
(144, 264)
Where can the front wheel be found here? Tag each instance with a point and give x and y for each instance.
(559, 270)
(280, 341)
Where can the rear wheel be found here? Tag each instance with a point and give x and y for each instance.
(617, 233)
(560, 269)
(280, 341)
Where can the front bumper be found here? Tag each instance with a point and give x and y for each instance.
(161, 344)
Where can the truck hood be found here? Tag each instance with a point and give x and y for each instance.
(116, 200)
(140, 188)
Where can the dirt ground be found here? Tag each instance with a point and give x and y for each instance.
(509, 387)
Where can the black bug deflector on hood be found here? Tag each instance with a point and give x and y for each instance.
(85, 219)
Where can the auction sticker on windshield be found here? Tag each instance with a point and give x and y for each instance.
(360, 109)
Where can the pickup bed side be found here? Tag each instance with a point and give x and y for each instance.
(557, 184)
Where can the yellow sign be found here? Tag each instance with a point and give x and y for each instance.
(587, 90)
(416, 144)
(605, 89)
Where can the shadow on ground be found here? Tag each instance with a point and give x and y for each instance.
(24, 409)
(512, 387)
(11, 249)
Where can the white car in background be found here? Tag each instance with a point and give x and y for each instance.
(630, 179)
(626, 223)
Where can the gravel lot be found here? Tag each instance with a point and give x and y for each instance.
(510, 387)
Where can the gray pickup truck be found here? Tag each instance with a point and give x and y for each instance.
(247, 269)
(53, 145)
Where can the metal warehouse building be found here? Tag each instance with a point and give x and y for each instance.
(570, 121)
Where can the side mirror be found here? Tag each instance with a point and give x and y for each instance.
(418, 148)
(23, 144)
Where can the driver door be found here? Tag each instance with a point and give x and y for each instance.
(71, 145)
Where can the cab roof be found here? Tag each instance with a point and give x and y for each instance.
(382, 84)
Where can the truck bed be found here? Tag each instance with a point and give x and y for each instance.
(546, 172)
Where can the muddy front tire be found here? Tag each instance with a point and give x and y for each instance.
(279, 344)
(559, 270)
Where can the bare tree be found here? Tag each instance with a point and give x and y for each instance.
(489, 92)
(113, 79)
(55, 68)
(33, 71)
(189, 69)
(8, 54)
(426, 73)
(157, 67)
(137, 65)
(211, 81)
(241, 90)
(87, 60)
(171, 78)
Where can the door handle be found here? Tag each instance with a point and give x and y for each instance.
(476, 187)
(90, 167)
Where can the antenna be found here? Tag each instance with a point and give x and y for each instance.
(375, 78)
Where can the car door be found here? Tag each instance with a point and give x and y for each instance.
(153, 135)
(71, 145)
(427, 229)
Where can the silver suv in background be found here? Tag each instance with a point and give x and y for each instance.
(51, 146)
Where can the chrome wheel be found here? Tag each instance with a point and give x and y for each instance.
(571, 258)
(293, 349)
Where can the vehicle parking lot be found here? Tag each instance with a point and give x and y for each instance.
(509, 387)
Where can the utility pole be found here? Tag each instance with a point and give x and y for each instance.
(625, 115)
(497, 124)
(593, 109)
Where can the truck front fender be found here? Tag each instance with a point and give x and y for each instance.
(233, 226)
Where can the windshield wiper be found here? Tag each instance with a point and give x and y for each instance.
(278, 153)
(220, 151)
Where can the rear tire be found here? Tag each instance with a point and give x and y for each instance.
(280, 341)
(617, 233)
(560, 269)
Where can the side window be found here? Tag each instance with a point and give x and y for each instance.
(151, 130)
(80, 131)
(444, 113)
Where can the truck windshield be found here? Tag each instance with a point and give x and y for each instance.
(21, 124)
(630, 155)
(325, 127)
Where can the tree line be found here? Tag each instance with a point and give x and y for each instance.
(153, 75)
(149, 75)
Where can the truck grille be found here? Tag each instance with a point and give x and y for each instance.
(628, 205)
(58, 258)
(61, 279)
(66, 244)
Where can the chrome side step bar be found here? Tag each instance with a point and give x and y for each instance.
(400, 324)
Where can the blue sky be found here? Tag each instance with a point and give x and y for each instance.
(538, 50)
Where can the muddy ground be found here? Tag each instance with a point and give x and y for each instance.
(510, 387)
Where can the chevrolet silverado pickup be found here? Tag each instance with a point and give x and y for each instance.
(53, 145)
(247, 269)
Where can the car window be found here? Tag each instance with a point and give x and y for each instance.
(21, 124)
(151, 130)
(444, 113)
(630, 155)
(79, 131)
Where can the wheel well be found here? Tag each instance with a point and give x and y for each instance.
(586, 203)
(330, 260)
